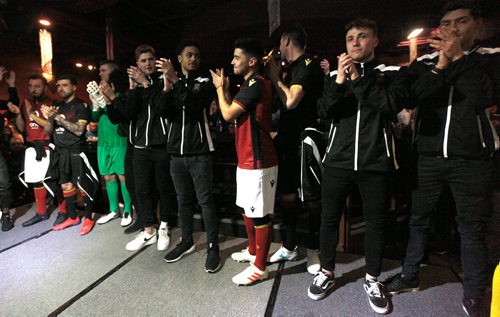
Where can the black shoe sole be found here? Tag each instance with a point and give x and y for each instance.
(27, 224)
(405, 290)
(188, 251)
(214, 270)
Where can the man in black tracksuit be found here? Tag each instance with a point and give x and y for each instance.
(360, 98)
(454, 88)
(187, 102)
(150, 158)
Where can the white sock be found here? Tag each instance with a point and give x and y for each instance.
(163, 225)
(368, 277)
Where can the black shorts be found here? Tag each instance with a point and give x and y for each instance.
(289, 171)
(74, 171)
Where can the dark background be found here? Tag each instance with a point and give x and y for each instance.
(78, 29)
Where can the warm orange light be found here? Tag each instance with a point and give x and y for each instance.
(90, 67)
(46, 53)
(44, 22)
(79, 65)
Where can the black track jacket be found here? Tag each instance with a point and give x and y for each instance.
(361, 112)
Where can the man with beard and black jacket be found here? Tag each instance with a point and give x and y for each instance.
(454, 87)
(150, 157)
(187, 102)
(360, 98)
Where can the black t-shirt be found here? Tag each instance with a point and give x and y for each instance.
(305, 72)
(74, 111)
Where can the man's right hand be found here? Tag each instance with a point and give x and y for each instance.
(343, 67)
(48, 112)
(137, 75)
(13, 108)
(325, 65)
(107, 90)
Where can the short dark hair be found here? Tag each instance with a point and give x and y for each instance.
(361, 23)
(297, 34)
(453, 5)
(119, 79)
(185, 43)
(111, 62)
(71, 78)
(144, 48)
(250, 46)
(38, 77)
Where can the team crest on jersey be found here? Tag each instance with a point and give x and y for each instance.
(196, 87)
(252, 208)
(251, 82)
(308, 61)
(272, 182)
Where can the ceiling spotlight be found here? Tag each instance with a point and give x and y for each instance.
(44, 22)
(79, 65)
(415, 33)
(90, 67)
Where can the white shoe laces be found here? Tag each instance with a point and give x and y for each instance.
(163, 233)
(320, 278)
(374, 289)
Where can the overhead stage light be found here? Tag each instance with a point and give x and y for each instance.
(44, 22)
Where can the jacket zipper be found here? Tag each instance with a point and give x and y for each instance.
(331, 139)
(386, 144)
(162, 126)
(147, 125)
(480, 130)
(358, 118)
(447, 125)
(201, 134)
(182, 131)
(169, 131)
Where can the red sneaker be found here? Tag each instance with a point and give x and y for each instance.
(67, 223)
(87, 226)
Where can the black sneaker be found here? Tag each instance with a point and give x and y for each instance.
(399, 284)
(61, 217)
(35, 219)
(376, 296)
(136, 226)
(212, 263)
(179, 251)
(321, 284)
(7, 223)
(473, 307)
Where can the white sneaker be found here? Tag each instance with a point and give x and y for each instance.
(141, 240)
(163, 239)
(250, 275)
(243, 256)
(283, 255)
(126, 220)
(313, 264)
(110, 216)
